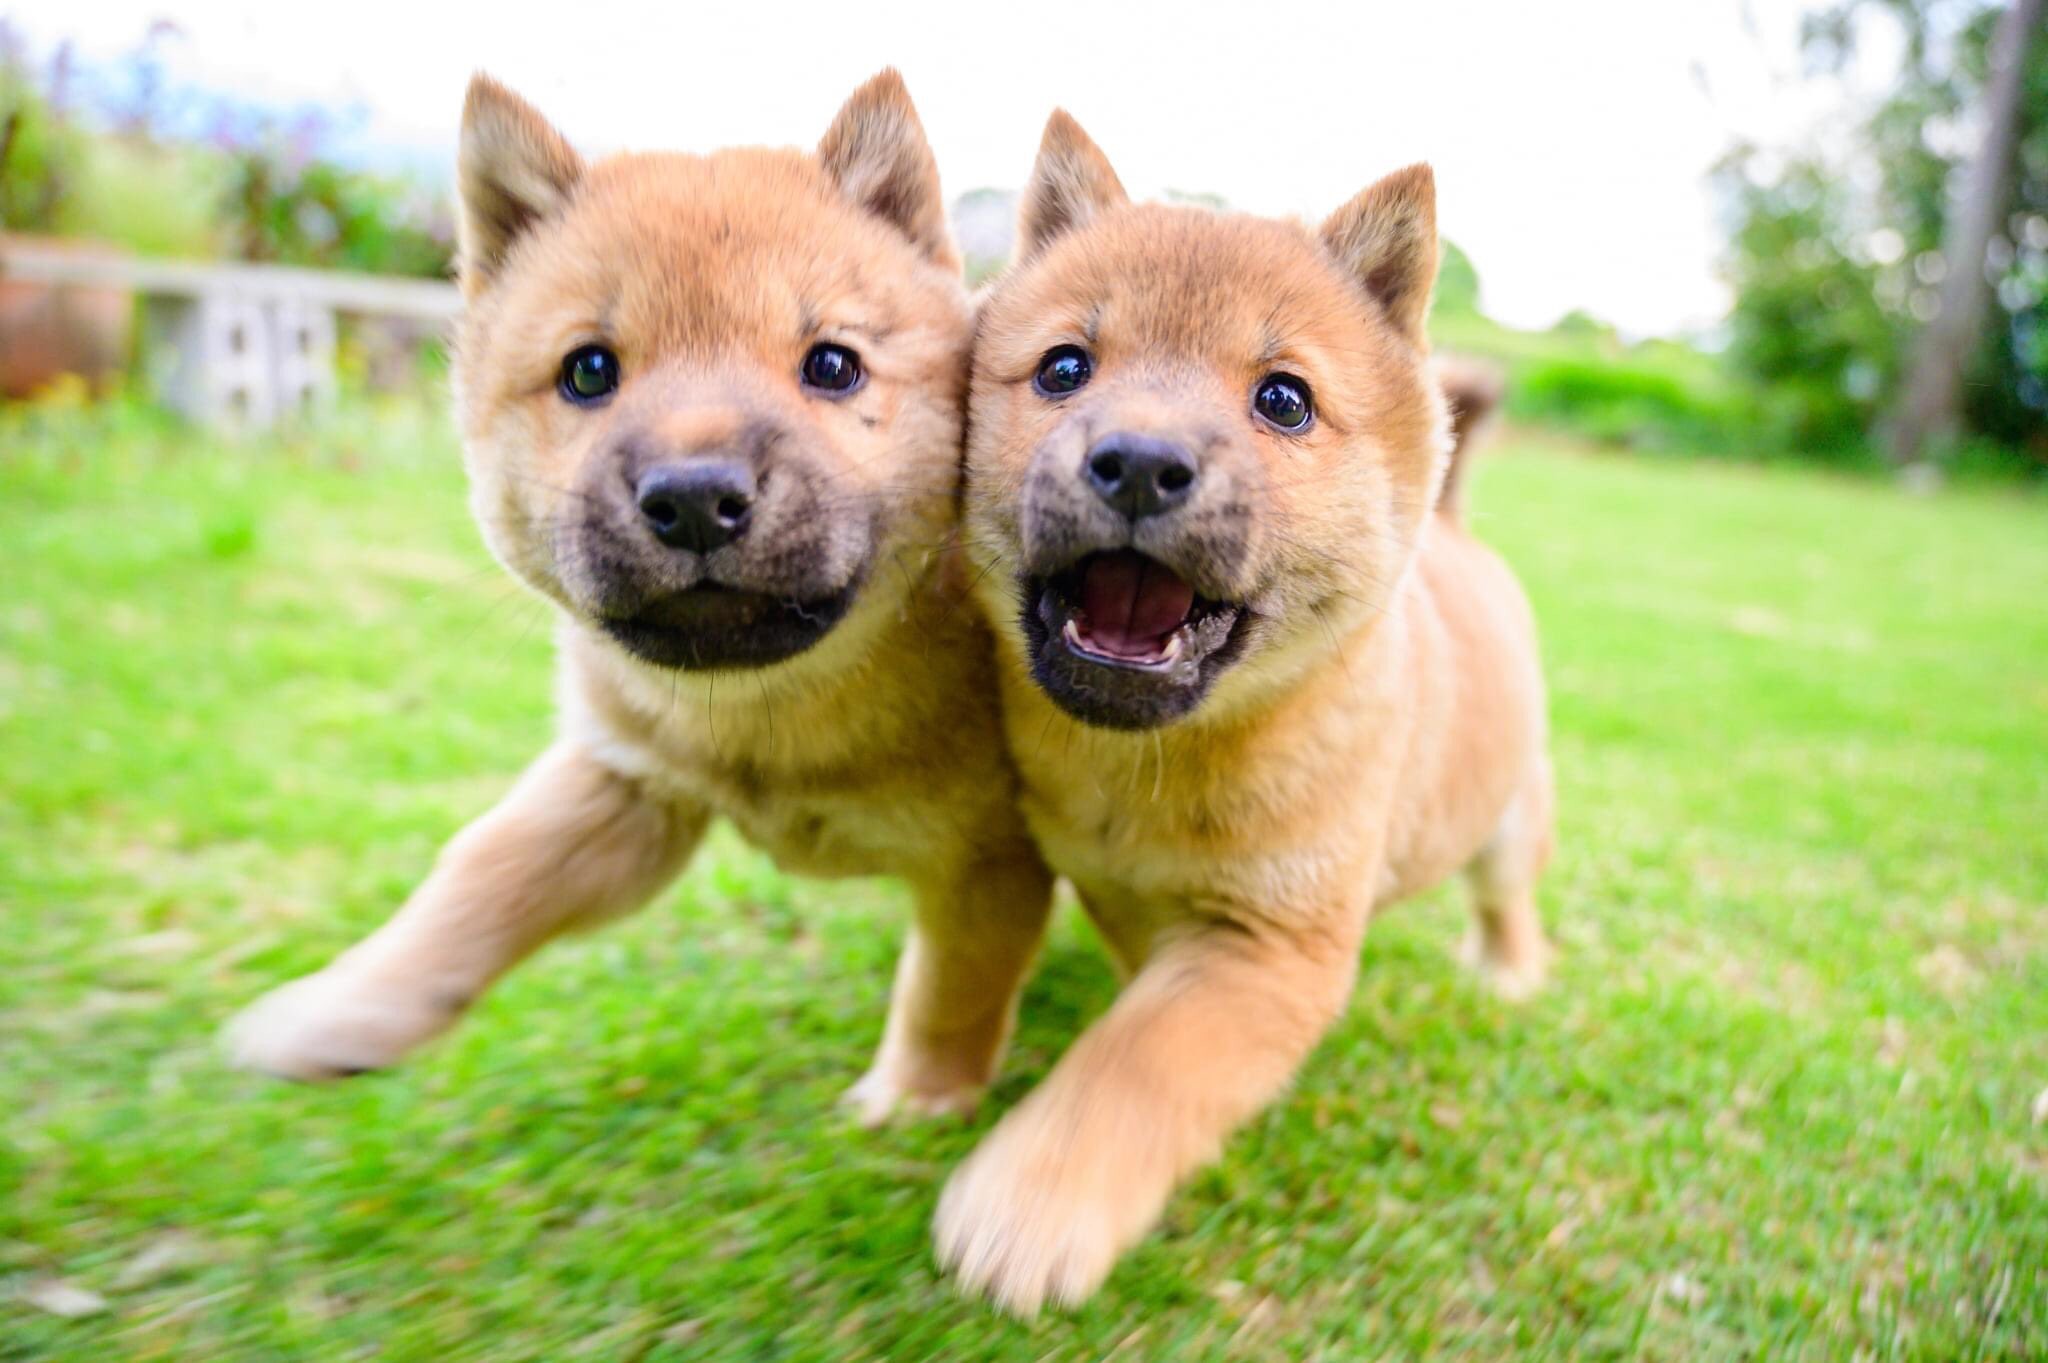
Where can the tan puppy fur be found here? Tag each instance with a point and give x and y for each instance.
(1340, 705)
(759, 613)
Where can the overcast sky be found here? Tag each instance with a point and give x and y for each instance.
(1571, 140)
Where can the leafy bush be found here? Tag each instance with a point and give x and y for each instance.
(1627, 405)
(40, 154)
(153, 200)
(319, 213)
(124, 158)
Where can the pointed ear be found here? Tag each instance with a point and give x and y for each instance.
(1070, 183)
(876, 152)
(512, 171)
(1386, 240)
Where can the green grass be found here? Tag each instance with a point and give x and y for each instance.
(1775, 1106)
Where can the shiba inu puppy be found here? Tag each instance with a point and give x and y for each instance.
(711, 409)
(1257, 677)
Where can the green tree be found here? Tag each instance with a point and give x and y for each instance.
(1836, 251)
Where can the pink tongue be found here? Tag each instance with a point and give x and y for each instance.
(1130, 604)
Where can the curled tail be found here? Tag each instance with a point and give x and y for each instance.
(1473, 389)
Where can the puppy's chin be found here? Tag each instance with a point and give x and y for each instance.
(711, 627)
(1120, 641)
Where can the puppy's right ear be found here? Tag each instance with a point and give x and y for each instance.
(513, 170)
(1070, 183)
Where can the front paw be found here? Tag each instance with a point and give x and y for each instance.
(333, 1024)
(1035, 1215)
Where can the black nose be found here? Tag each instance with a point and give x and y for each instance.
(1140, 475)
(697, 505)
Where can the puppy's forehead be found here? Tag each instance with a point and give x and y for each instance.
(1167, 279)
(752, 244)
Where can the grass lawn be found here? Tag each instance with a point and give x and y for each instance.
(1778, 1102)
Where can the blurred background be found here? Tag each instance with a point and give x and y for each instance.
(1769, 285)
(1759, 229)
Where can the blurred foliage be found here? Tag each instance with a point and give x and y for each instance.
(42, 156)
(1457, 282)
(151, 199)
(1806, 324)
(1654, 396)
(1638, 404)
(319, 213)
(125, 156)
(1835, 249)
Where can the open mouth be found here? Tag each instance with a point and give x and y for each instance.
(1122, 640)
(713, 626)
(1126, 610)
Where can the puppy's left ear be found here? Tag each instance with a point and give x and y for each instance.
(876, 152)
(1386, 240)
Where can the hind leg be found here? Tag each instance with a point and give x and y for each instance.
(1507, 945)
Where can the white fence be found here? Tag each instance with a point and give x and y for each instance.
(237, 344)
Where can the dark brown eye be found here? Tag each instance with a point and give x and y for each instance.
(590, 374)
(832, 369)
(1063, 369)
(1283, 400)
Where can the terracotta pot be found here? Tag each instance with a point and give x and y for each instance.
(48, 330)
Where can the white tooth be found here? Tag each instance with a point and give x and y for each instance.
(1071, 633)
(1172, 649)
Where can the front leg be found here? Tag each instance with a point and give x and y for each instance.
(572, 844)
(955, 996)
(1208, 1031)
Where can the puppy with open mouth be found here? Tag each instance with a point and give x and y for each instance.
(711, 408)
(1258, 678)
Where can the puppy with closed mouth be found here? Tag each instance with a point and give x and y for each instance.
(711, 408)
(1258, 678)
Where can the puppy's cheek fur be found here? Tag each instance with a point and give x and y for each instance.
(508, 526)
(522, 514)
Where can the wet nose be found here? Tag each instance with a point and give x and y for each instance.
(697, 505)
(1139, 475)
